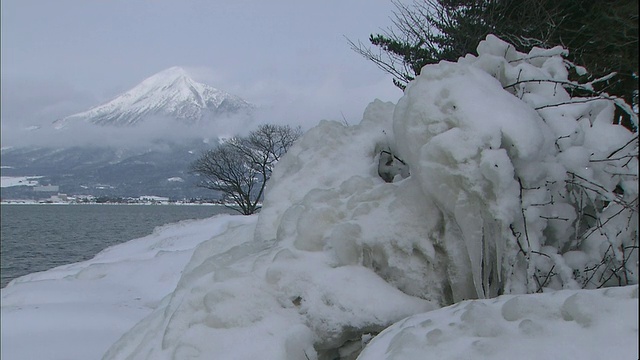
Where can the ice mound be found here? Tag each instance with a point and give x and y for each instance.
(308, 282)
(514, 163)
(490, 168)
(568, 324)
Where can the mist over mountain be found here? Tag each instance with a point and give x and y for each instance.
(131, 145)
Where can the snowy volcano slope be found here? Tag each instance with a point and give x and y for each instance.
(170, 93)
(496, 175)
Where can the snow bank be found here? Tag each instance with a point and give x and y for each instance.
(567, 324)
(9, 181)
(289, 302)
(77, 311)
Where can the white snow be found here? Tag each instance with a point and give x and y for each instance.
(77, 311)
(568, 324)
(153, 198)
(499, 167)
(8, 181)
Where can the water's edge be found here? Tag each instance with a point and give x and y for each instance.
(38, 237)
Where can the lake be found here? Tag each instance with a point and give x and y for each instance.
(40, 237)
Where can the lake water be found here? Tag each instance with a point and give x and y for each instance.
(40, 237)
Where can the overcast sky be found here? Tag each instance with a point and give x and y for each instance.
(61, 57)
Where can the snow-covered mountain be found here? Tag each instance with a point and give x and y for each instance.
(149, 139)
(170, 93)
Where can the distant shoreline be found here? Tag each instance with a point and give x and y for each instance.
(32, 202)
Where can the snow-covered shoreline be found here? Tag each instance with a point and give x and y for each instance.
(35, 202)
(77, 311)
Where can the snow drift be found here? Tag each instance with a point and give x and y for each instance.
(567, 324)
(77, 311)
(503, 184)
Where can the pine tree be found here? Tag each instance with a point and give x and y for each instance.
(602, 36)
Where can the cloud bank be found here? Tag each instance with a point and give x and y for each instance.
(277, 101)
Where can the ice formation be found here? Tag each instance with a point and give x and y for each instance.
(502, 184)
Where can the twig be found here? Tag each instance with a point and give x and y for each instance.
(344, 119)
(547, 278)
(554, 218)
(581, 101)
(635, 138)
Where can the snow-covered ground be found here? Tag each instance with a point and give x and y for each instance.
(77, 311)
(485, 179)
(8, 181)
(567, 324)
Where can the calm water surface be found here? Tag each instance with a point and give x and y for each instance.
(40, 237)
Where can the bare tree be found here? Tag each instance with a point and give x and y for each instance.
(240, 167)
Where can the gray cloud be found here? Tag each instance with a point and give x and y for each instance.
(38, 102)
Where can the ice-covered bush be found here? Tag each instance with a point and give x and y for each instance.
(537, 188)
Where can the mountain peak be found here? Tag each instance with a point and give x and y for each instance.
(174, 71)
(170, 93)
(168, 75)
